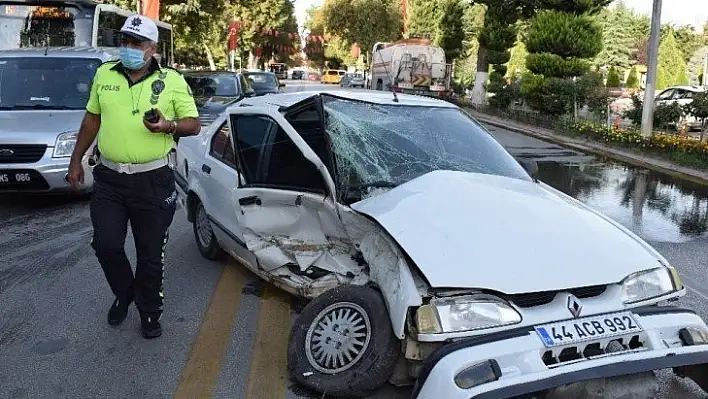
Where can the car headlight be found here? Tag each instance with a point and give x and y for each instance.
(65, 145)
(465, 313)
(649, 284)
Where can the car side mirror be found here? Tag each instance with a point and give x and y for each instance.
(250, 93)
(530, 166)
(282, 85)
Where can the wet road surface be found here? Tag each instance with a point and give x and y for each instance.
(225, 331)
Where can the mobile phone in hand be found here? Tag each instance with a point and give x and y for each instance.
(152, 116)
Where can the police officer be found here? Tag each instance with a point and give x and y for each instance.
(133, 180)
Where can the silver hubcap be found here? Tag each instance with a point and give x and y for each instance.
(204, 232)
(338, 337)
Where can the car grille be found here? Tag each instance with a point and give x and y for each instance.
(532, 299)
(21, 153)
(588, 350)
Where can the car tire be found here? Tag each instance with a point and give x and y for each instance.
(379, 348)
(204, 235)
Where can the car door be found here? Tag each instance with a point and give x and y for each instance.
(285, 202)
(219, 179)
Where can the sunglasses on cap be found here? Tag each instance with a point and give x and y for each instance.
(126, 39)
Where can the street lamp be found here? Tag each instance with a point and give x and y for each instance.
(648, 110)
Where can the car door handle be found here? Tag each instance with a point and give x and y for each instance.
(206, 168)
(249, 200)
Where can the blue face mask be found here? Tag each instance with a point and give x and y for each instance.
(132, 58)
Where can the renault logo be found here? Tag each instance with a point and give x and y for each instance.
(574, 306)
(6, 152)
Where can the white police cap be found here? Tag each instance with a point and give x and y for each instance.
(140, 27)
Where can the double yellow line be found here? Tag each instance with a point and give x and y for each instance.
(268, 372)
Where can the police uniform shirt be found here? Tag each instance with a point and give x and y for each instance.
(122, 137)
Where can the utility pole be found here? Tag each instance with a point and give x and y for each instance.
(705, 70)
(648, 111)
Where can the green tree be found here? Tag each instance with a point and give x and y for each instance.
(689, 41)
(561, 41)
(450, 34)
(613, 78)
(517, 62)
(423, 17)
(619, 44)
(695, 64)
(363, 21)
(672, 69)
(497, 36)
(633, 79)
(314, 27)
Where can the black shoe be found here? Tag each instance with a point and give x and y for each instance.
(150, 326)
(119, 310)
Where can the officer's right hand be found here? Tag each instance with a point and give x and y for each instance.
(76, 174)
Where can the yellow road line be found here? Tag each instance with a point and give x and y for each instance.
(268, 373)
(202, 370)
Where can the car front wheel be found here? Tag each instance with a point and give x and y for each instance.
(204, 235)
(342, 344)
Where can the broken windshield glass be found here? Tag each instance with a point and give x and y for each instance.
(375, 143)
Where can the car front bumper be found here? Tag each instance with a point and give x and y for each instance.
(48, 176)
(516, 365)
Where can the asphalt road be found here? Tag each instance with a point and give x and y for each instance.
(225, 331)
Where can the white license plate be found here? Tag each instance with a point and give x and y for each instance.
(587, 329)
(405, 85)
(11, 177)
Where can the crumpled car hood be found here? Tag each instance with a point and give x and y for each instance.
(467, 230)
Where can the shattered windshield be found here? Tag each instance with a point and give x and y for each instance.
(382, 146)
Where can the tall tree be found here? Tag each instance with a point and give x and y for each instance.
(498, 35)
(671, 70)
(619, 44)
(688, 40)
(363, 21)
(695, 64)
(423, 17)
(450, 33)
(562, 39)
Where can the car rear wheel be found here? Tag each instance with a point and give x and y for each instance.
(204, 235)
(342, 344)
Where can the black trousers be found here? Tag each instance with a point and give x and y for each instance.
(148, 201)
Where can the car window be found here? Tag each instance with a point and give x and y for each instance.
(666, 95)
(683, 95)
(250, 134)
(278, 162)
(46, 82)
(262, 81)
(212, 85)
(221, 147)
(396, 143)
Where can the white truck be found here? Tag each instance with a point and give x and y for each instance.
(411, 66)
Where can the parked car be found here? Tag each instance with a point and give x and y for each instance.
(681, 95)
(353, 80)
(298, 74)
(264, 82)
(428, 251)
(214, 91)
(43, 95)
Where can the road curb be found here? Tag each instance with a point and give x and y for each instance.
(658, 165)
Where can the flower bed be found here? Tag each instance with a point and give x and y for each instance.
(683, 150)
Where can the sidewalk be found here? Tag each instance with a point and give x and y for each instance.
(594, 147)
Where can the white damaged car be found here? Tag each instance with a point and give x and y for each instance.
(432, 256)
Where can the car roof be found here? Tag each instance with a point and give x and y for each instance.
(65, 52)
(208, 72)
(376, 97)
(689, 88)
